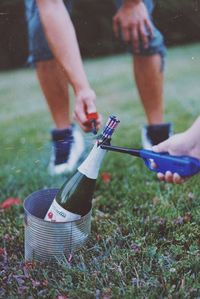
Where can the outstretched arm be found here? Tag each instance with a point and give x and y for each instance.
(62, 40)
(186, 144)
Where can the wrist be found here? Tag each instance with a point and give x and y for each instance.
(85, 92)
(81, 87)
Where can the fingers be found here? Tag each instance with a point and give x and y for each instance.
(135, 24)
(149, 27)
(138, 33)
(161, 147)
(135, 38)
(84, 105)
(160, 176)
(89, 103)
(144, 36)
(152, 163)
(177, 179)
(86, 125)
(169, 177)
(81, 117)
(141, 32)
(132, 31)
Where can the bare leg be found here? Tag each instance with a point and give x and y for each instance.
(149, 79)
(54, 85)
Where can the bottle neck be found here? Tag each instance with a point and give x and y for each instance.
(90, 167)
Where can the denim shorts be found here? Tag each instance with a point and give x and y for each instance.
(40, 51)
(38, 46)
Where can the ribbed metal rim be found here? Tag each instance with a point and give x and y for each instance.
(53, 223)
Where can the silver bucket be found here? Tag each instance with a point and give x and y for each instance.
(51, 241)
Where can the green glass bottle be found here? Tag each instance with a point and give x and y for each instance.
(74, 199)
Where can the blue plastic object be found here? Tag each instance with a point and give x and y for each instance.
(185, 166)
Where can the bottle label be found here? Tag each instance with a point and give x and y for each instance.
(90, 167)
(56, 213)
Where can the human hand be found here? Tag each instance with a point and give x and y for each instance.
(135, 24)
(84, 105)
(183, 144)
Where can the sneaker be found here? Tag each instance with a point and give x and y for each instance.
(68, 147)
(154, 134)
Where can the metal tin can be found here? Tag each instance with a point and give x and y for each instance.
(51, 241)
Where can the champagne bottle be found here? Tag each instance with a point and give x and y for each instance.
(74, 199)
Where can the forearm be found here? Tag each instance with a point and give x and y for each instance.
(62, 40)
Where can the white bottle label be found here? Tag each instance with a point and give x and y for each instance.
(56, 213)
(90, 167)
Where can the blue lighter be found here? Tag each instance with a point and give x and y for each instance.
(183, 165)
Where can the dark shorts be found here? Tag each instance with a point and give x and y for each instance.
(40, 51)
(38, 46)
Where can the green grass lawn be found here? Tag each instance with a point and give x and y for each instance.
(145, 240)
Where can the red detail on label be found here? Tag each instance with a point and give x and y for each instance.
(50, 215)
